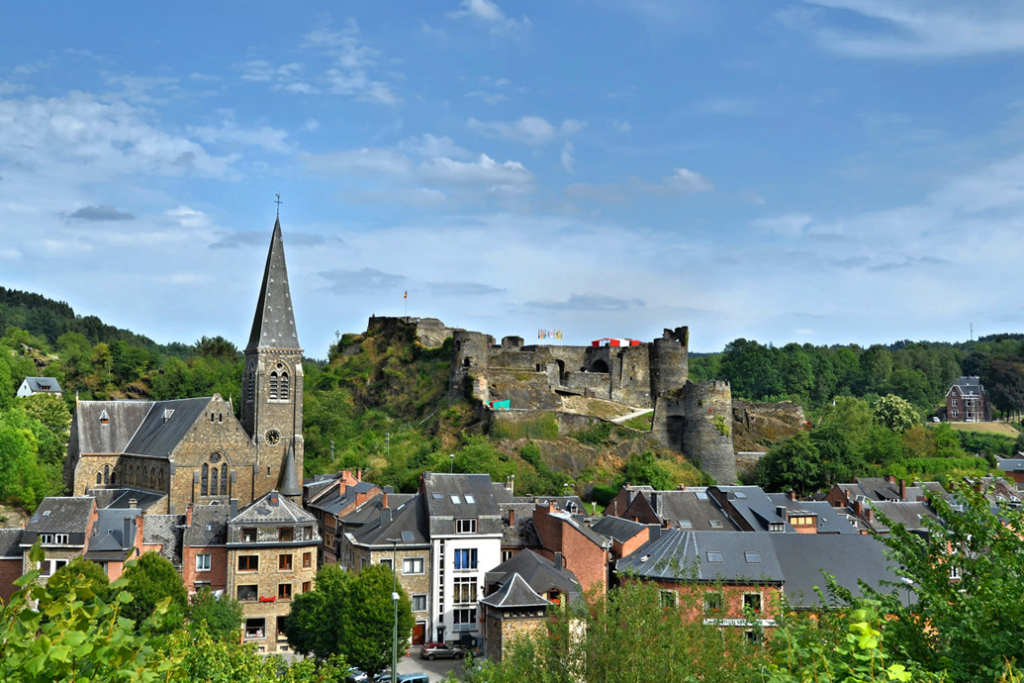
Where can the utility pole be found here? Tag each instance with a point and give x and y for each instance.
(394, 599)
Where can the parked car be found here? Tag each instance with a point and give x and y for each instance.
(356, 676)
(441, 651)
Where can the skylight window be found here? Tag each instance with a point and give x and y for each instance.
(470, 499)
(456, 500)
(685, 524)
(438, 496)
(714, 556)
(702, 495)
(741, 494)
(752, 557)
(716, 524)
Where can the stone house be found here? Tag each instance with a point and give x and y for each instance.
(194, 451)
(514, 610)
(30, 386)
(63, 527)
(332, 497)
(967, 401)
(271, 557)
(12, 559)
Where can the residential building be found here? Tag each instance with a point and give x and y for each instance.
(63, 526)
(31, 386)
(967, 401)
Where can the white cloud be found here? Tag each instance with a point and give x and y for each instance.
(488, 97)
(488, 13)
(429, 145)
(567, 159)
(483, 171)
(621, 126)
(683, 181)
(262, 71)
(530, 130)
(789, 225)
(270, 139)
(911, 29)
(572, 126)
(376, 160)
(311, 125)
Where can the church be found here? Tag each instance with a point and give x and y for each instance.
(163, 456)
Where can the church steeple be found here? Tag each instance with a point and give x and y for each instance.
(274, 323)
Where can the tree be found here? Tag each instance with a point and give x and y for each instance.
(51, 411)
(80, 572)
(151, 579)
(1004, 381)
(643, 469)
(350, 615)
(966, 576)
(895, 413)
(222, 615)
(795, 464)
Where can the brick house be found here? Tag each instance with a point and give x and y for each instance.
(584, 552)
(11, 562)
(967, 401)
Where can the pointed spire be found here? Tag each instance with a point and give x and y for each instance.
(289, 477)
(274, 324)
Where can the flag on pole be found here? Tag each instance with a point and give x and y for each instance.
(406, 295)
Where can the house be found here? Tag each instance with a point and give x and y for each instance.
(63, 526)
(812, 516)
(194, 451)
(31, 386)
(514, 610)
(583, 551)
(1012, 468)
(683, 508)
(12, 559)
(967, 401)
(116, 537)
(331, 498)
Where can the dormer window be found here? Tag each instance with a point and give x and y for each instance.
(465, 526)
(104, 418)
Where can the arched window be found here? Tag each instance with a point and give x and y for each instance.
(273, 384)
(113, 478)
(99, 478)
(204, 489)
(161, 479)
(106, 474)
(249, 381)
(284, 386)
(224, 479)
(213, 482)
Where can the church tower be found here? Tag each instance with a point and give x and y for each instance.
(272, 383)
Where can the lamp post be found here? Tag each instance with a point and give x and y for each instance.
(451, 463)
(394, 599)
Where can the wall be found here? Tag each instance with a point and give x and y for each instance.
(708, 431)
(10, 571)
(580, 555)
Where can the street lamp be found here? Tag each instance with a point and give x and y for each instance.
(451, 463)
(394, 599)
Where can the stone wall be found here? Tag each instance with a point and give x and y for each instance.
(707, 437)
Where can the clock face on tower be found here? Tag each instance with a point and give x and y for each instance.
(273, 437)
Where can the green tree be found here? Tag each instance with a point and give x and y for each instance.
(51, 411)
(795, 464)
(151, 579)
(222, 615)
(350, 615)
(78, 573)
(643, 469)
(895, 413)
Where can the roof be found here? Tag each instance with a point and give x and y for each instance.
(689, 509)
(523, 533)
(122, 498)
(458, 496)
(515, 593)
(879, 488)
(830, 520)
(274, 323)
(617, 528)
(62, 514)
(908, 513)
(123, 420)
(273, 508)
(289, 478)
(540, 573)
(369, 511)
(706, 556)
(165, 425)
(43, 384)
(848, 559)
(968, 385)
(1010, 464)
(332, 501)
(10, 543)
(166, 531)
(574, 521)
(406, 523)
(108, 532)
(754, 507)
(209, 525)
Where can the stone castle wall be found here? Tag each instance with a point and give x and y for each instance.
(707, 435)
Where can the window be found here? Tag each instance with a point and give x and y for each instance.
(224, 479)
(248, 535)
(307, 560)
(712, 602)
(387, 563)
(203, 562)
(667, 598)
(307, 532)
(247, 592)
(954, 403)
(213, 482)
(752, 602)
(470, 499)
(273, 386)
(50, 567)
(248, 563)
(752, 557)
(284, 386)
(255, 629)
(956, 413)
(714, 556)
(716, 524)
(204, 489)
(307, 586)
(455, 499)
(506, 555)
(284, 562)
(754, 637)
(53, 539)
(464, 589)
(465, 619)
(285, 534)
(419, 603)
(284, 591)
(280, 632)
(465, 558)
(412, 565)
(465, 526)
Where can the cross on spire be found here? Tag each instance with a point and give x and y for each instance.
(278, 202)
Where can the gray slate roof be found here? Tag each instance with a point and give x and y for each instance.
(43, 384)
(540, 573)
(689, 509)
(461, 496)
(523, 533)
(849, 559)
(62, 515)
(209, 525)
(515, 593)
(122, 498)
(273, 508)
(969, 386)
(289, 478)
(706, 556)
(908, 513)
(408, 523)
(754, 506)
(274, 323)
(332, 501)
(165, 425)
(830, 520)
(369, 512)
(165, 530)
(124, 418)
(114, 530)
(10, 543)
(617, 528)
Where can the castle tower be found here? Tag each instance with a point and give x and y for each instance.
(670, 361)
(272, 382)
(470, 358)
(707, 437)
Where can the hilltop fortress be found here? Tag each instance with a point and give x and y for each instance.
(695, 419)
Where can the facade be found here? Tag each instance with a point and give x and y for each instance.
(967, 401)
(31, 386)
(194, 451)
(63, 527)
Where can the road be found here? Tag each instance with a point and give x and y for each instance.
(437, 669)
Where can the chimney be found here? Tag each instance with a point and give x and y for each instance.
(126, 533)
(132, 504)
(792, 494)
(903, 489)
(511, 517)
(681, 487)
(359, 474)
(233, 507)
(891, 478)
(384, 500)
(666, 524)
(188, 515)
(871, 514)
(558, 560)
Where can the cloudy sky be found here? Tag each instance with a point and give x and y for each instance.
(825, 171)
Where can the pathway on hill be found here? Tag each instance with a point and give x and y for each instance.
(629, 416)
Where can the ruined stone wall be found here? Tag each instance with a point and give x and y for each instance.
(669, 361)
(669, 420)
(470, 360)
(707, 437)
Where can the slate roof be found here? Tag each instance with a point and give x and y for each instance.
(369, 511)
(332, 502)
(458, 496)
(121, 498)
(165, 425)
(524, 533)
(274, 323)
(706, 556)
(43, 385)
(574, 521)
(540, 573)
(754, 507)
(848, 559)
(62, 515)
(408, 523)
(273, 508)
(830, 520)
(1010, 464)
(515, 593)
(209, 526)
(289, 478)
(10, 543)
(908, 513)
(617, 528)
(969, 385)
(565, 503)
(689, 509)
(879, 488)
(165, 530)
(123, 420)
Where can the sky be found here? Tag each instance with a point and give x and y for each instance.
(811, 171)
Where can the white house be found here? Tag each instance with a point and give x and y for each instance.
(39, 385)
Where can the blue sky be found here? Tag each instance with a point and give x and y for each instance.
(824, 171)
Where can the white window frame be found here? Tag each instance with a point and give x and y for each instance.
(422, 599)
(465, 526)
(203, 562)
(413, 562)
